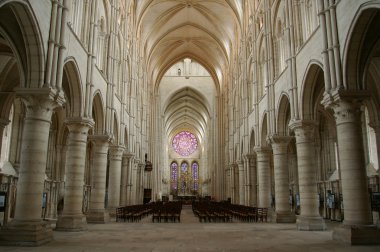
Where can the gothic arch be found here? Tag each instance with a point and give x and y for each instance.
(18, 25)
(360, 43)
(252, 142)
(115, 139)
(264, 130)
(9, 76)
(312, 83)
(72, 87)
(283, 115)
(98, 114)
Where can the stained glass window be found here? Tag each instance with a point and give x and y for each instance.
(185, 143)
(174, 175)
(184, 166)
(195, 169)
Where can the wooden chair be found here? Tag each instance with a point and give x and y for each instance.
(120, 214)
(262, 214)
(156, 216)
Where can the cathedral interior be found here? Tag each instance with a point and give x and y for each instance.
(244, 107)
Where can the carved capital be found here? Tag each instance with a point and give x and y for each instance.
(280, 143)
(304, 130)
(128, 155)
(346, 112)
(39, 102)
(263, 153)
(79, 125)
(3, 123)
(116, 152)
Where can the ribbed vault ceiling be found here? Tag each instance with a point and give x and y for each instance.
(205, 30)
(187, 110)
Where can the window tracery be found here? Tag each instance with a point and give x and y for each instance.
(185, 143)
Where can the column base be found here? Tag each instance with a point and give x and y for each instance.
(310, 223)
(111, 211)
(98, 216)
(364, 235)
(26, 233)
(71, 223)
(288, 217)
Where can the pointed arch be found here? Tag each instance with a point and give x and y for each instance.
(252, 142)
(19, 26)
(264, 130)
(116, 124)
(72, 87)
(283, 115)
(98, 113)
(312, 86)
(360, 43)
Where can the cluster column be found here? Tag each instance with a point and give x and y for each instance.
(281, 177)
(252, 180)
(114, 173)
(124, 179)
(97, 212)
(241, 182)
(247, 185)
(134, 182)
(309, 219)
(3, 124)
(27, 227)
(130, 180)
(72, 218)
(263, 170)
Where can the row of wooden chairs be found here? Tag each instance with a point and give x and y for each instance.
(170, 211)
(218, 211)
(210, 212)
(249, 214)
(132, 213)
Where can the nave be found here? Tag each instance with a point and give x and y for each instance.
(261, 103)
(191, 235)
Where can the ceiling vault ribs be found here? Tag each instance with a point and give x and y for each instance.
(203, 29)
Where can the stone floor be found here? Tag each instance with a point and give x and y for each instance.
(190, 235)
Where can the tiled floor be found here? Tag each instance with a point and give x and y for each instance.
(190, 235)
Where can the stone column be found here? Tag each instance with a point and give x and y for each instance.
(252, 180)
(3, 124)
(72, 218)
(134, 182)
(281, 177)
(241, 182)
(114, 173)
(247, 185)
(231, 182)
(97, 212)
(263, 174)
(140, 192)
(124, 179)
(352, 163)
(130, 181)
(235, 172)
(309, 219)
(27, 228)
